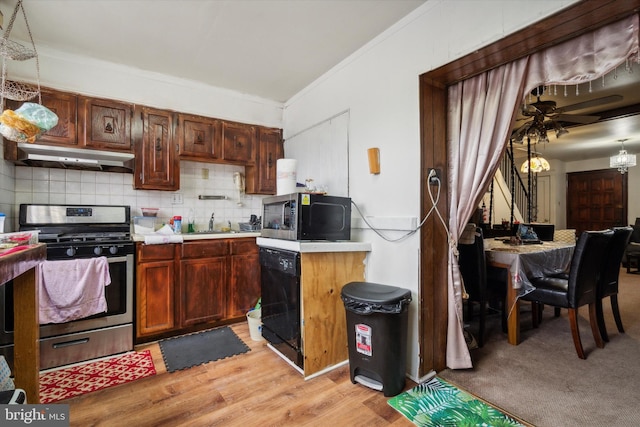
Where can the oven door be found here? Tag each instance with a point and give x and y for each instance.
(119, 295)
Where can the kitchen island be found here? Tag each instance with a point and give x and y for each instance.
(320, 344)
(20, 266)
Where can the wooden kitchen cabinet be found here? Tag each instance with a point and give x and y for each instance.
(244, 280)
(200, 138)
(196, 285)
(65, 106)
(261, 178)
(105, 124)
(238, 142)
(155, 289)
(156, 151)
(203, 278)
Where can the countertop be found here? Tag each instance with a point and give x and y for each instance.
(207, 236)
(314, 246)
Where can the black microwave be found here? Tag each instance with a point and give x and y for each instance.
(304, 216)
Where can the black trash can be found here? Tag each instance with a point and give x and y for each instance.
(377, 319)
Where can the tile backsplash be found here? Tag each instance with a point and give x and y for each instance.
(66, 186)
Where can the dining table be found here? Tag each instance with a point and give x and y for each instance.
(524, 262)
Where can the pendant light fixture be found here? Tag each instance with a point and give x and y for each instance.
(623, 160)
(536, 164)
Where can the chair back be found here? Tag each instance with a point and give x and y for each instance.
(567, 235)
(473, 267)
(586, 267)
(612, 260)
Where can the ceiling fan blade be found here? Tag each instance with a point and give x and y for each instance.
(591, 103)
(519, 133)
(574, 118)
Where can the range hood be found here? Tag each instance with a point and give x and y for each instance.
(73, 158)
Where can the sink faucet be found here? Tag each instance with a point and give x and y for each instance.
(211, 222)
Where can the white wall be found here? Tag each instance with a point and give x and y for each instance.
(379, 87)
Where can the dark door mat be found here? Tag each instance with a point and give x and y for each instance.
(195, 349)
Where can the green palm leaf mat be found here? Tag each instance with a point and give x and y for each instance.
(438, 403)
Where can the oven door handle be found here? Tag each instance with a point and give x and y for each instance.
(116, 259)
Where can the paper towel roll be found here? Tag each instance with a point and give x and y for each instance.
(286, 176)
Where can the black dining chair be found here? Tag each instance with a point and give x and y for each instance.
(579, 289)
(480, 288)
(608, 284)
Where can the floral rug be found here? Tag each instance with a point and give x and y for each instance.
(438, 403)
(76, 380)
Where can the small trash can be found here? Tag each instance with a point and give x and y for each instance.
(254, 318)
(377, 320)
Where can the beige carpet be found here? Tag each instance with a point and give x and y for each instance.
(543, 381)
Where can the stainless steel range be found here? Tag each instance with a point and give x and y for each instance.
(72, 232)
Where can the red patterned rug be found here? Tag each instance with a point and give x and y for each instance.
(76, 380)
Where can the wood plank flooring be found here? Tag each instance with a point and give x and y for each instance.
(257, 388)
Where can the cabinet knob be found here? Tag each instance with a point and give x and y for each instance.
(269, 161)
(158, 144)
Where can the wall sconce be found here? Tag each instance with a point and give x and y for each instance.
(374, 160)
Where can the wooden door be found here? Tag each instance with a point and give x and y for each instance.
(596, 200)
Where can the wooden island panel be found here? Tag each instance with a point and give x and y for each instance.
(324, 333)
(20, 266)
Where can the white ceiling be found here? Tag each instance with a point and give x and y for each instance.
(268, 48)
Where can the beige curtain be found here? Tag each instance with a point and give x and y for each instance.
(481, 111)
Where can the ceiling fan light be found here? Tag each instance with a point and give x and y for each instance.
(536, 164)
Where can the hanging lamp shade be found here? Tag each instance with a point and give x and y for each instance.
(623, 160)
(536, 164)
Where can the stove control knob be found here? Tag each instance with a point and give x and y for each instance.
(71, 251)
(97, 250)
(113, 250)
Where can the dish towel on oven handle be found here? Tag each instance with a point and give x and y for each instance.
(72, 289)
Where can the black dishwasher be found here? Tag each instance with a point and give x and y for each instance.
(280, 287)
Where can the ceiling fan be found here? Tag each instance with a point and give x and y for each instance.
(545, 115)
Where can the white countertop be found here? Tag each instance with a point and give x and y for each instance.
(314, 246)
(207, 236)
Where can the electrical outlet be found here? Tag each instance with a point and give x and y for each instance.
(205, 173)
(432, 178)
(176, 199)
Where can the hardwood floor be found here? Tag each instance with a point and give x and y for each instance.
(257, 388)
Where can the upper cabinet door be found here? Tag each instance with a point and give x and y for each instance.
(66, 108)
(238, 142)
(199, 138)
(261, 178)
(157, 163)
(105, 124)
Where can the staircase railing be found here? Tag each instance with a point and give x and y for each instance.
(518, 189)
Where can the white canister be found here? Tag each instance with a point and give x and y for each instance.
(286, 176)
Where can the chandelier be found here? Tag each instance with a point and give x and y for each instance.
(623, 160)
(536, 164)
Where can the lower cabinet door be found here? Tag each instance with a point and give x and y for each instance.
(202, 284)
